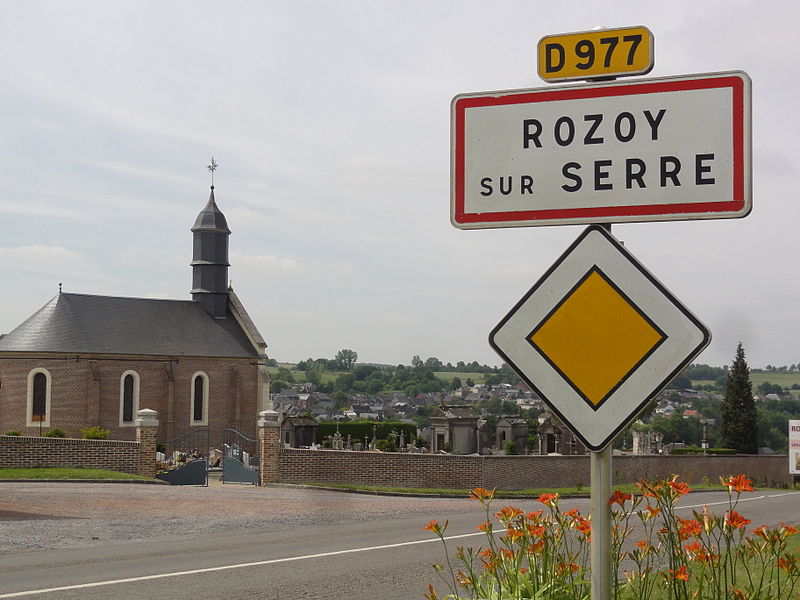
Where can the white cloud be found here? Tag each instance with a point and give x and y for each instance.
(263, 262)
(40, 259)
(333, 134)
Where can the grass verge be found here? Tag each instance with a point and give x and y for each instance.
(66, 473)
(565, 492)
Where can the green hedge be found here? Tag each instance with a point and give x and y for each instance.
(358, 429)
(697, 450)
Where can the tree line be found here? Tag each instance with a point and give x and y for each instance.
(737, 422)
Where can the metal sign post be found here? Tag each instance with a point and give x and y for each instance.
(601, 524)
(600, 546)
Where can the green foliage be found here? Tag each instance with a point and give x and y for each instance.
(94, 433)
(285, 374)
(314, 376)
(344, 383)
(721, 451)
(704, 372)
(346, 359)
(509, 447)
(13, 432)
(421, 377)
(687, 450)
(681, 382)
(765, 387)
(387, 445)
(739, 416)
(339, 399)
(434, 364)
(55, 432)
(677, 429)
(278, 385)
(772, 429)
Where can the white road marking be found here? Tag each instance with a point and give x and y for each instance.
(726, 503)
(230, 567)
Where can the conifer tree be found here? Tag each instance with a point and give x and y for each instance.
(739, 416)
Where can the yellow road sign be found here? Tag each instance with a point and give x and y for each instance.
(596, 54)
(597, 337)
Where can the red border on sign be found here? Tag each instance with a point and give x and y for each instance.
(630, 89)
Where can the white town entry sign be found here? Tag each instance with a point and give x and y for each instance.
(661, 149)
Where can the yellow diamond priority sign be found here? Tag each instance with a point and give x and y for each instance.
(597, 337)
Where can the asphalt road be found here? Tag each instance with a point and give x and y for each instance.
(377, 557)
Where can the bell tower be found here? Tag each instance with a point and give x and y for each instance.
(210, 257)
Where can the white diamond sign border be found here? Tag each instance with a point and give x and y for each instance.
(686, 337)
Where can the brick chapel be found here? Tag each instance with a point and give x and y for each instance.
(83, 360)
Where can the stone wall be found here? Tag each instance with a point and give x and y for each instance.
(29, 452)
(510, 472)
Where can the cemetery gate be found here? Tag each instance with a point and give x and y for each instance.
(240, 459)
(184, 459)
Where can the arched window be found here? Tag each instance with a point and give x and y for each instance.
(199, 404)
(38, 413)
(128, 398)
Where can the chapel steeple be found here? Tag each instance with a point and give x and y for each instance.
(210, 257)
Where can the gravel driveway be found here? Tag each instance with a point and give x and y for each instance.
(43, 516)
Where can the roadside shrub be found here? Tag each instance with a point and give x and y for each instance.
(721, 450)
(55, 432)
(386, 445)
(698, 450)
(687, 450)
(13, 432)
(94, 433)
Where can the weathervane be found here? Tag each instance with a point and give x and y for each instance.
(212, 167)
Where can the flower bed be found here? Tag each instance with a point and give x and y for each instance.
(545, 554)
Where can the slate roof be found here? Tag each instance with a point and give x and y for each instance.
(211, 217)
(512, 421)
(87, 324)
(454, 412)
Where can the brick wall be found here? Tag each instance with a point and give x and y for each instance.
(511, 472)
(85, 391)
(29, 452)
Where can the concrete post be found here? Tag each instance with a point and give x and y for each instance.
(269, 438)
(146, 434)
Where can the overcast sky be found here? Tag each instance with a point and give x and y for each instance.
(331, 125)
